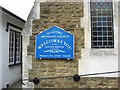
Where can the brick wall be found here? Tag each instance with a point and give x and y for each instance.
(67, 16)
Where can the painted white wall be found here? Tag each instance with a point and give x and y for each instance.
(119, 36)
(9, 74)
(98, 60)
(0, 49)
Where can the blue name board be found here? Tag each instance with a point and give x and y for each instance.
(55, 43)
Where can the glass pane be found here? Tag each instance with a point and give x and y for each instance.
(11, 46)
(18, 48)
(102, 35)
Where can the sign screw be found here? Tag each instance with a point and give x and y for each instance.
(68, 59)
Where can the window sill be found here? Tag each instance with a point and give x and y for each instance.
(104, 52)
(14, 64)
(98, 52)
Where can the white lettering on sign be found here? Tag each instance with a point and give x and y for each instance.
(55, 36)
(54, 32)
(67, 45)
(54, 41)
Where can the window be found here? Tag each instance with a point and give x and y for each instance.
(102, 32)
(14, 47)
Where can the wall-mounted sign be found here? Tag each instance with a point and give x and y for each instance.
(55, 43)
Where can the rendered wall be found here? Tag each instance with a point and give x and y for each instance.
(119, 37)
(27, 32)
(0, 48)
(9, 74)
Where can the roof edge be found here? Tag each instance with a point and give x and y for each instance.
(10, 13)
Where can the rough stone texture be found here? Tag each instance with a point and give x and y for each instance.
(67, 16)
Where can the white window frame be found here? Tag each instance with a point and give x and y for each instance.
(87, 28)
(96, 60)
(16, 30)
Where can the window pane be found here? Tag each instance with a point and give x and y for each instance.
(11, 47)
(18, 47)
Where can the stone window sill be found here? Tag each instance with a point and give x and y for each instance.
(99, 52)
